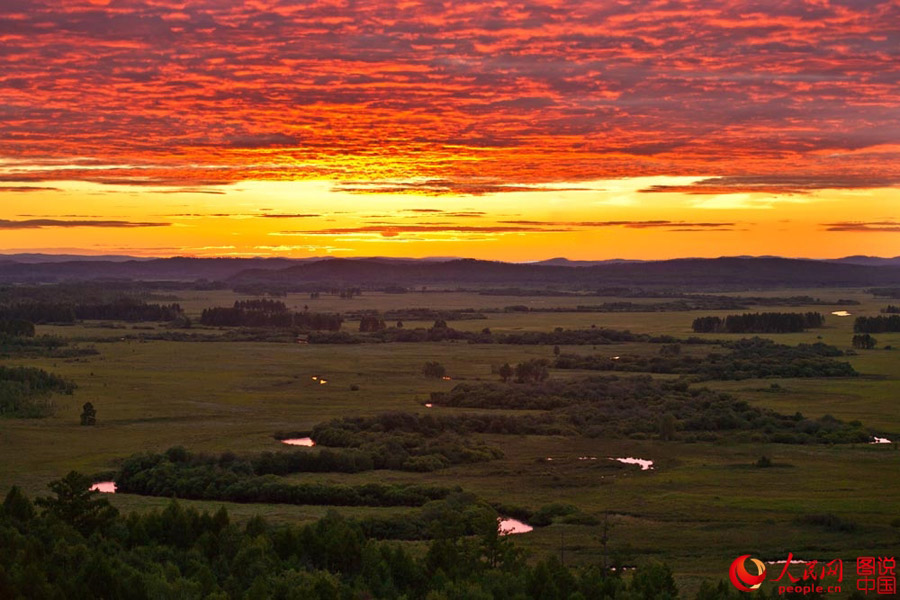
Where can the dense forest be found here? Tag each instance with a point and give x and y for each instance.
(759, 323)
(72, 545)
(880, 324)
(749, 358)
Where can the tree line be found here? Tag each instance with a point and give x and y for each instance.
(769, 322)
(749, 358)
(879, 324)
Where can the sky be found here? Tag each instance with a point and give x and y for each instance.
(508, 130)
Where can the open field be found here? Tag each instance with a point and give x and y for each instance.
(702, 505)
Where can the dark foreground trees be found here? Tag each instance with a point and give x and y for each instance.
(51, 552)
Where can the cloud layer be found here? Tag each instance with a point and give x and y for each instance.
(192, 94)
(51, 223)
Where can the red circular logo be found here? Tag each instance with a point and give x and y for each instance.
(742, 578)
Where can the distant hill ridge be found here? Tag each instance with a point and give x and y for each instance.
(768, 271)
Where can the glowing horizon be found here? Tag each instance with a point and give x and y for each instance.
(498, 130)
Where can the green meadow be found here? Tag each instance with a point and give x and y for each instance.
(702, 505)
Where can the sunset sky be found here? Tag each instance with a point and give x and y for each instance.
(509, 130)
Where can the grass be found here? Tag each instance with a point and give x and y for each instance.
(702, 505)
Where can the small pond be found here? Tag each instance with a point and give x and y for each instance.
(508, 526)
(104, 487)
(646, 465)
(304, 441)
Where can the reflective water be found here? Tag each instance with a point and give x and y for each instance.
(104, 487)
(305, 441)
(841, 313)
(646, 465)
(508, 526)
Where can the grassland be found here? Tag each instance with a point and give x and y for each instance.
(702, 505)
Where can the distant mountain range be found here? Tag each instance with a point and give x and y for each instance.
(371, 272)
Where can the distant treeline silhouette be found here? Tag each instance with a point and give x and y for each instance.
(770, 322)
(122, 309)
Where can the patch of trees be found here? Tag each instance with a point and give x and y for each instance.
(75, 546)
(364, 445)
(371, 322)
(398, 441)
(891, 309)
(864, 341)
(880, 324)
(44, 346)
(268, 313)
(759, 323)
(604, 406)
(433, 370)
(749, 358)
(410, 430)
(174, 474)
(264, 305)
(16, 328)
(24, 391)
(531, 371)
